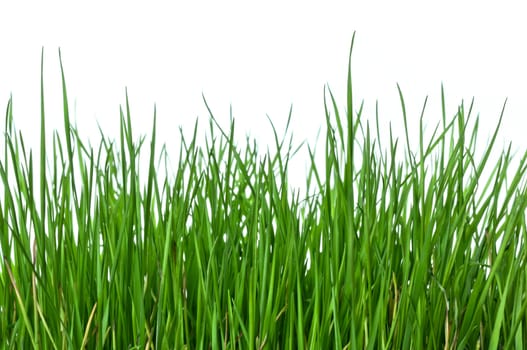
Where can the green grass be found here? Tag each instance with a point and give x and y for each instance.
(402, 253)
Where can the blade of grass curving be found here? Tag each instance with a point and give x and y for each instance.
(67, 129)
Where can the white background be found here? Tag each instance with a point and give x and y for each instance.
(261, 59)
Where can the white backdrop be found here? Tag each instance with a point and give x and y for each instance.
(261, 59)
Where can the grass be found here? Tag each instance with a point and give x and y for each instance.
(224, 254)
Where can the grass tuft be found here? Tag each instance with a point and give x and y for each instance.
(224, 254)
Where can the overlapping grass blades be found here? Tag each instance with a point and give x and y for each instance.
(385, 254)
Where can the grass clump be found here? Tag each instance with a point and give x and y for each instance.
(383, 254)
